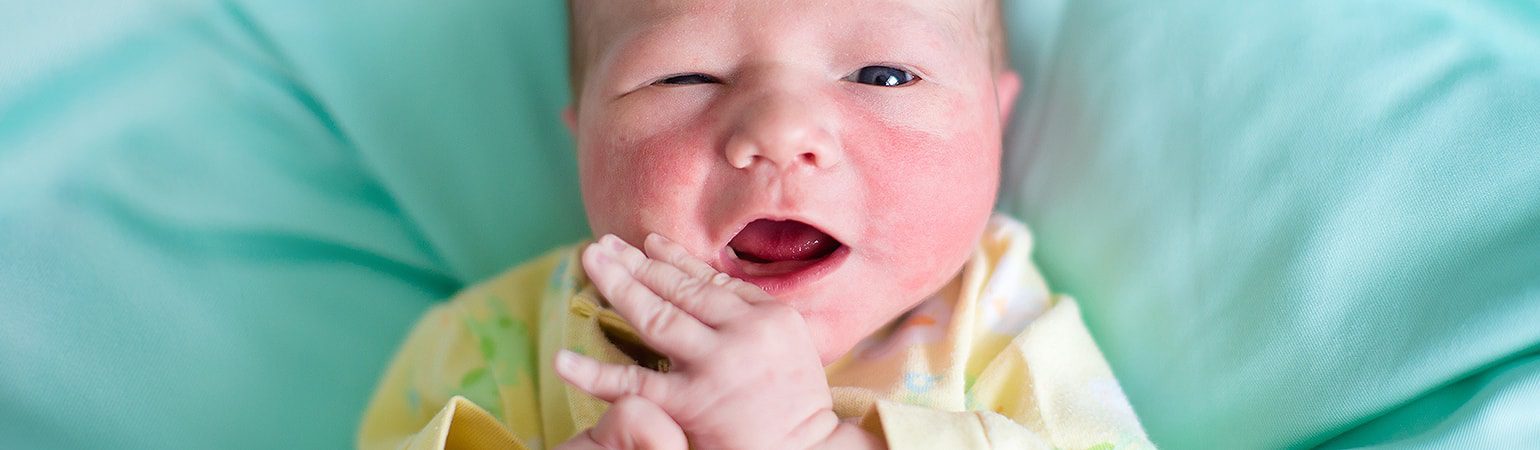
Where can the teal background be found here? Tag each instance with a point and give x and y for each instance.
(1290, 224)
(218, 219)
(1294, 223)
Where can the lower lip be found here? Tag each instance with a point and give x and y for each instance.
(786, 282)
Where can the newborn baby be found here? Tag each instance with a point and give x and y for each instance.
(797, 250)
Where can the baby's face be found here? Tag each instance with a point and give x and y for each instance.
(843, 155)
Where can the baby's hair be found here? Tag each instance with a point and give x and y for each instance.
(990, 19)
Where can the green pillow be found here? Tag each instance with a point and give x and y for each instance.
(218, 219)
(1293, 224)
(1288, 223)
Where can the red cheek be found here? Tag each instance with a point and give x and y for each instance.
(928, 195)
(631, 179)
(664, 163)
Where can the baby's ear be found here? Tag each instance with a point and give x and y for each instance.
(1007, 85)
(569, 117)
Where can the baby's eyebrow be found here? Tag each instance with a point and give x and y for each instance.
(955, 25)
(925, 38)
(913, 23)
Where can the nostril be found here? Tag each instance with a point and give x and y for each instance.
(809, 158)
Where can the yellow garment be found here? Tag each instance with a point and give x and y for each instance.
(993, 360)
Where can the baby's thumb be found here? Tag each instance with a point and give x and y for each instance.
(632, 423)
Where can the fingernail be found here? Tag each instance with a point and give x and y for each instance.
(615, 243)
(599, 254)
(565, 360)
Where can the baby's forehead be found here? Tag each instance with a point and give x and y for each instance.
(786, 6)
(615, 17)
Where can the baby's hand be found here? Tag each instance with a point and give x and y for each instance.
(632, 423)
(744, 371)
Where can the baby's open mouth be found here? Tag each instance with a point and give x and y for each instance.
(772, 248)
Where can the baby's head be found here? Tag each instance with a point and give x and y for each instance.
(843, 155)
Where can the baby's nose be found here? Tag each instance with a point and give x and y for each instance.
(786, 132)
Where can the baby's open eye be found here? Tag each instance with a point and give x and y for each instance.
(687, 79)
(883, 76)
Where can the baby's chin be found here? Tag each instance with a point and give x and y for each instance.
(829, 350)
(841, 316)
(836, 333)
(835, 344)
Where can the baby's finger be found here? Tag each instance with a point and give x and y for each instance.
(610, 382)
(712, 304)
(633, 422)
(664, 249)
(662, 325)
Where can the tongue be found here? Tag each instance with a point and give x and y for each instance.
(765, 241)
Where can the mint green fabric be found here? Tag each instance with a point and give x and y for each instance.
(217, 219)
(1294, 223)
(1290, 224)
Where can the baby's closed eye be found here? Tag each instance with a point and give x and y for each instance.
(687, 79)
